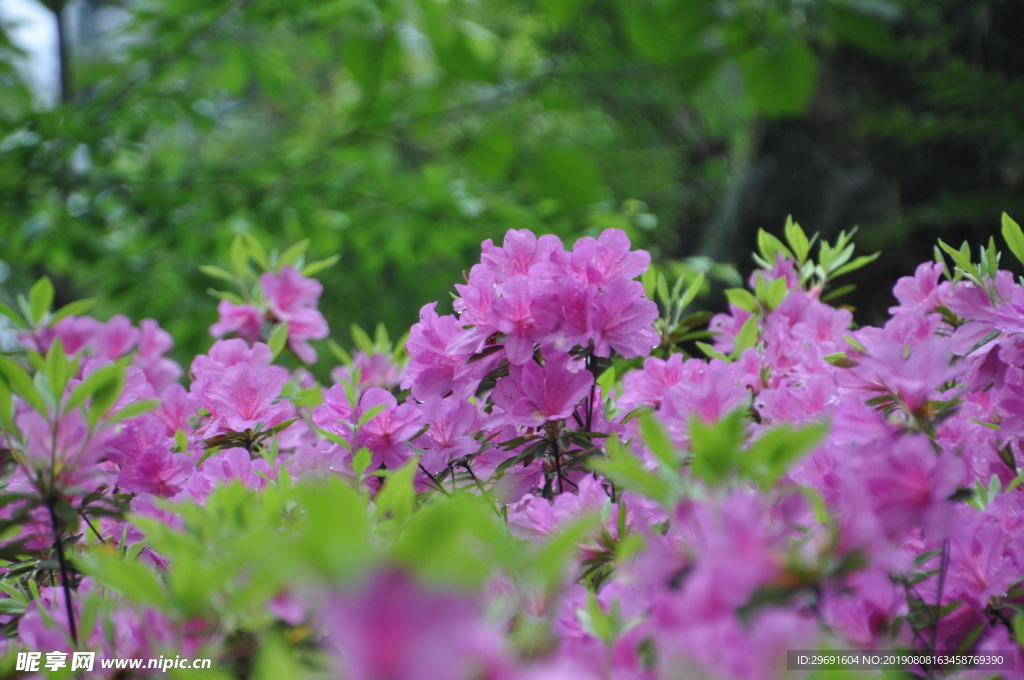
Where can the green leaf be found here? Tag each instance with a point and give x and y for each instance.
(780, 79)
(217, 273)
(838, 292)
(493, 152)
(717, 446)
(106, 394)
(371, 413)
(747, 337)
(662, 288)
(856, 264)
(57, 367)
(962, 258)
(742, 298)
(840, 359)
(339, 352)
(606, 381)
(12, 315)
(1014, 237)
(239, 256)
(133, 579)
(76, 308)
(776, 450)
(1018, 629)
(257, 251)
(19, 382)
(98, 379)
(277, 339)
(397, 497)
(233, 72)
(867, 31)
(226, 295)
(40, 297)
(464, 49)
(769, 246)
(361, 339)
(361, 461)
(294, 253)
(710, 351)
(797, 240)
(649, 280)
(691, 291)
(6, 406)
(775, 293)
(314, 268)
(134, 409)
(625, 469)
(658, 442)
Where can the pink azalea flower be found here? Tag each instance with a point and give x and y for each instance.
(76, 332)
(562, 310)
(394, 629)
(520, 251)
(335, 414)
(244, 397)
(245, 321)
(623, 320)
(387, 434)
(293, 299)
(511, 315)
(72, 449)
(431, 367)
(452, 424)
(116, 338)
(236, 465)
(156, 471)
(608, 257)
(549, 392)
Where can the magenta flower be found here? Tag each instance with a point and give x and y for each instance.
(375, 370)
(335, 414)
(520, 252)
(549, 392)
(293, 299)
(909, 485)
(511, 315)
(115, 338)
(387, 434)
(623, 320)
(563, 309)
(450, 435)
(646, 387)
(69, 448)
(431, 367)
(244, 396)
(76, 332)
(238, 465)
(914, 379)
(156, 471)
(922, 290)
(244, 321)
(394, 629)
(608, 257)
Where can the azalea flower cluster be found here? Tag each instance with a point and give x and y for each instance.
(810, 484)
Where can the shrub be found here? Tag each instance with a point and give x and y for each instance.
(544, 484)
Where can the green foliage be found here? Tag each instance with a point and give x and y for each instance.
(391, 138)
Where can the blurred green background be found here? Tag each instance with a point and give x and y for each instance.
(401, 134)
